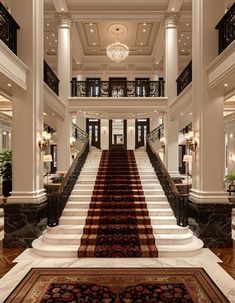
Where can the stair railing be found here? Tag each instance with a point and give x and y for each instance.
(56, 201)
(178, 201)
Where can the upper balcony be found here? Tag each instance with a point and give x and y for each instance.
(117, 88)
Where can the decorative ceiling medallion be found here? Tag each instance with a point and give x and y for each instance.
(117, 30)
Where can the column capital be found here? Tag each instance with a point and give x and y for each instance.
(170, 20)
(63, 19)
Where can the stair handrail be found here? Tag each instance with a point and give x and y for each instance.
(178, 201)
(56, 201)
(157, 133)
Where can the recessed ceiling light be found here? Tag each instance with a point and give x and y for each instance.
(91, 30)
(44, 114)
(94, 43)
(182, 35)
(185, 43)
(90, 23)
(157, 62)
(97, 114)
(4, 133)
(78, 62)
(62, 9)
(144, 29)
(182, 114)
(141, 43)
(50, 43)
(179, 40)
(53, 50)
(144, 24)
(48, 24)
(55, 40)
(53, 114)
(9, 84)
(188, 37)
(53, 35)
(187, 24)
(226, 84)
(182, 50)
(190, 114)
(46, 37)
(173, 9)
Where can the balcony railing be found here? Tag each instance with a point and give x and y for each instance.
(117, 89)
(50, 79)
(226, 28)
(8, 29)
(184, 78)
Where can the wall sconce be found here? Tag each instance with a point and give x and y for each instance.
(131, 129)
(191, 142)
(45, 142)
(104, 129)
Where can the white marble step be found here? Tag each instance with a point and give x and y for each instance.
(151, 205)
(70, 251)
(78, 229)
(160, 220)
(87, 198)
(75, 239)
(83, 212)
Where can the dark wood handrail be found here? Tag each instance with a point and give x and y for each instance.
(226, 28)
(157, 133)
(8, 29)
(177, 200)
(184, 78)
(51, 79)
(166, 173)
(56, 201)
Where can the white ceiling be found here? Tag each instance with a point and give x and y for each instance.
(144, 31)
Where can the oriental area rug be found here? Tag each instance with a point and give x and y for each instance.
(118, 223)
(97, 285)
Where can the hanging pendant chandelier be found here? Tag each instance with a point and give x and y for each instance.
(117, 51)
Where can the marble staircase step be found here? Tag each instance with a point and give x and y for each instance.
(84, 212)
(150, 205)
(75, 219)
(75, 239)
(70, 251)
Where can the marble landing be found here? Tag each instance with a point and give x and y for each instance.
(206, 259)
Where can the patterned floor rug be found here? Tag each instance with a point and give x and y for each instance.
(152, 285)
(118, 223)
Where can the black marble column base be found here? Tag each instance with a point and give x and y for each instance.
(212, 223)
(23, 222)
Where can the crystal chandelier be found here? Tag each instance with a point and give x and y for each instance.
(117, 51)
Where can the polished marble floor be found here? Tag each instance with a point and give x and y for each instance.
(206, 259)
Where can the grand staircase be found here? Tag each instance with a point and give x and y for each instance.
(64, 240)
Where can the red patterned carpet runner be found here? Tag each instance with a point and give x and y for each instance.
(118, 223)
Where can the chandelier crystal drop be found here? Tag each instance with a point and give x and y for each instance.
(117, 51)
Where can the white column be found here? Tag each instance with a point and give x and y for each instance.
(64, 74)
(208, 125)
(171, 74)
(131, 134)
(104, 135)
(28, 106)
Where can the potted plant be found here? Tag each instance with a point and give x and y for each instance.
(230, 177)
(6, 172)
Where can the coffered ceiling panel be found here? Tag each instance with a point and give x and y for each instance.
(96, 36)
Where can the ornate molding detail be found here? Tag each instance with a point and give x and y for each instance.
(170, 20)
(64, 19)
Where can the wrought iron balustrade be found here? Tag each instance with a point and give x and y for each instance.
(51, 79)
(57, 201)
(184, 78)
(157, 133)
(226, 28)
(8, 29)
(117, 89)
(79, 134)
(178, 201)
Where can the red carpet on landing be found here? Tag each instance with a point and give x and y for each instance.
(118, 223)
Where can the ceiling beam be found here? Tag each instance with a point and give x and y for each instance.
(60, 5)
(175, 5)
